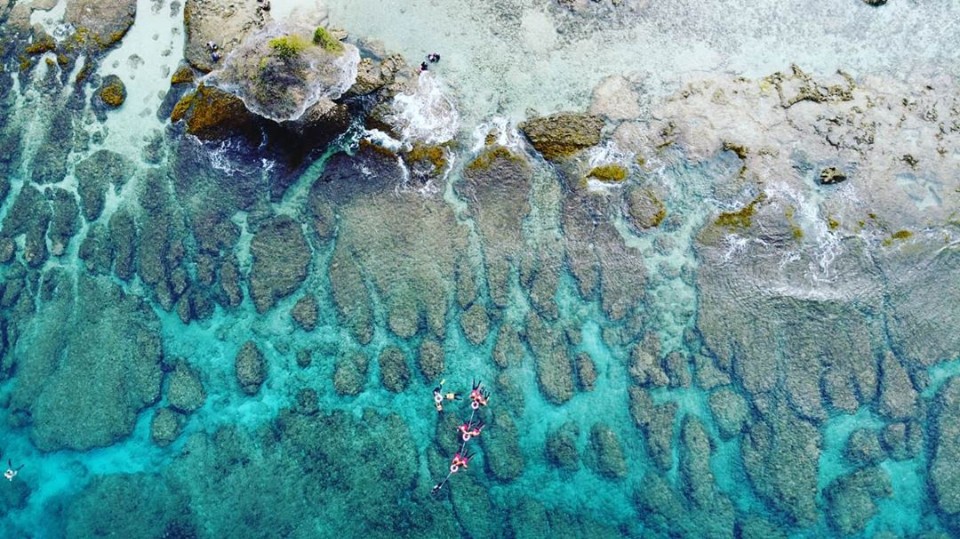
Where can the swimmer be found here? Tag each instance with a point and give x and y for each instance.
(423, 67)
(478, 395)
(433, 57)
(12, 472)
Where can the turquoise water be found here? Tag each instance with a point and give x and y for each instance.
(229, 339)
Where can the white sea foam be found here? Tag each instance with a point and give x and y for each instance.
(427, 115)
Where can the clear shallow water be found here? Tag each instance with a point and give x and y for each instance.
(499, 60)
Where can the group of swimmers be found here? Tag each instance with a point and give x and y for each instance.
(479, 397)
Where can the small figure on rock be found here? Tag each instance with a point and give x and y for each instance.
(212, 46)
(433, 57)
(12, 472)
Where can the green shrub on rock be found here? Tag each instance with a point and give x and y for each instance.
(324, 39)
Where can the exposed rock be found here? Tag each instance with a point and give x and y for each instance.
(394, 373)
(644, 367)
(604, 453)
(615, 99)
(832, 175)
(283, 70)
(123, 243)
(65, 220)
(373, 75)
(563, 134)
(730, 411)
(561, 448)
(185, 390)
(852, 499)
(281, 257)
(99, 25)
(225, 24)
(305, 312)
(251, 368)
(644, 209)
(166, 426)
(112, 91)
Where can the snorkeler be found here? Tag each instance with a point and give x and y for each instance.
(470, 429)
(433, 57)
(478, 395)
(439, 396)
(423, 66)
(460, 460)
(12, 472)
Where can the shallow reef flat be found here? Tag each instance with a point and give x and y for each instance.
(706, 278)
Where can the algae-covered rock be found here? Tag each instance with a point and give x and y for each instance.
(99, 25)
(349, 374)
(656, 423)
(605, 452)
(166, 426)
(586, 372)
(281, 256)
(185, 391)
(781, 457)
(563, 134)
(85, 388)
(475, 323)
(554, 367)
(863, 447)
(730, 410)
(852, 499)
(394, 372)
(430, 359)
(305, 312)
(95, 175)
(943, 475)
(561, 448)
(250, 367)
(212, 114)
(502, 453)
(112, 91)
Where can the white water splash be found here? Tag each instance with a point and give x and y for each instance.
(428, 115)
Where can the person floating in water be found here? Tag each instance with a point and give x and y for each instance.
(469, 429)
(12, 472)
(433, 57)
(439, 396)
(478, 395)
(423, 67)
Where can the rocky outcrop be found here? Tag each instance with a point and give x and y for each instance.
(561, 448)
(604, 453)
(305, 312)
(99, 25)
(563, 134)
(394, 372)
(212, 114)
(852, 500)
(225, 24)
(95, 175)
